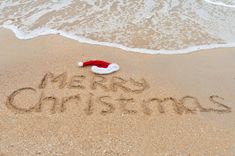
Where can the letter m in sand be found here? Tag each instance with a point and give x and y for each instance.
(60, 79)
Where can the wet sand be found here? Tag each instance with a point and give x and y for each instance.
(155, 104)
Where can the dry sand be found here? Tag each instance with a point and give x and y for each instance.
(155, 105)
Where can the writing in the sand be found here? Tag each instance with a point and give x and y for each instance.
(107, 103)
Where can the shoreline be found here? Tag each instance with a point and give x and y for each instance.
(220, 4)
(155, 105)
(194, 49)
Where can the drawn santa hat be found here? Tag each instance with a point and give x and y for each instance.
(100, 67)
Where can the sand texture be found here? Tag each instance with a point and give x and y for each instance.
(156, 105)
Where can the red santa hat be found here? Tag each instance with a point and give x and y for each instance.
(100, 67)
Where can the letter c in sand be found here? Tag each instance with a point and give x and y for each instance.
(10, 101)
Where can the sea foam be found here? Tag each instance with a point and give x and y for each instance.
(145, 26)
(225, 3)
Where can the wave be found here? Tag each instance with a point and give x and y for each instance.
(145, 26)
(224, 3)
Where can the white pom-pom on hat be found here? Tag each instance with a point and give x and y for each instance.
(80, 64)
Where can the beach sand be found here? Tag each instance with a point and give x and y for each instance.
(155, 105)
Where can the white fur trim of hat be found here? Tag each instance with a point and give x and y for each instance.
(113, 67)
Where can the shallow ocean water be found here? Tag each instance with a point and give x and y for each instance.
(148, 26)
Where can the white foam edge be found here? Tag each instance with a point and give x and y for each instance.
(21, 35)
(220, 4)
